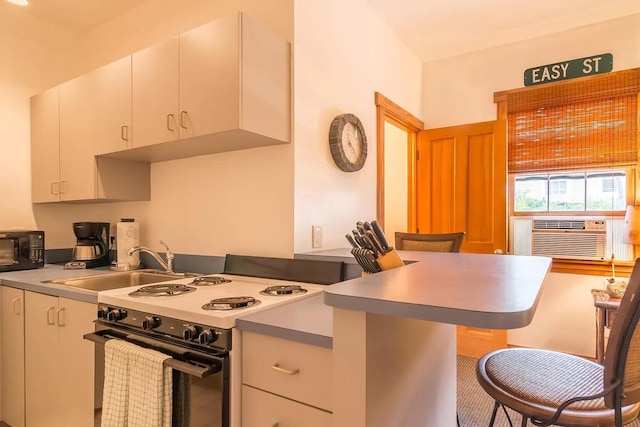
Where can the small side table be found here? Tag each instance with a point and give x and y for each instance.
(606, 308)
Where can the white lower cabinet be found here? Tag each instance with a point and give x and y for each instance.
(12, 318)
(285, 383)
(59, 363)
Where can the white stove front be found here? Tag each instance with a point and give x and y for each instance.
(188, 307)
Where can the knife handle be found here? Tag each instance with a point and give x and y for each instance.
(376, 243)
(351, 241)
(381, 237)
(370, 246)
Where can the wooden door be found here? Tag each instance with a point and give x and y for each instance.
(77, 162)
(155, 94)
(45, 147)
(112, 106)
(462, 186)
(12, 317)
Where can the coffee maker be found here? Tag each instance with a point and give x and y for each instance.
(92, 245)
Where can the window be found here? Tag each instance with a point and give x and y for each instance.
(575, 192)
(573, 150)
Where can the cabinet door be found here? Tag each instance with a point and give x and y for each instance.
(77, 162)
(45, 143)
(43, 389)
(210, 78)
(155, 94)
(112, 107)
(12, 318)
(77, 361)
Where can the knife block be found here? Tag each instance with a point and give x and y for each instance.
(390, 260)
(387, 262)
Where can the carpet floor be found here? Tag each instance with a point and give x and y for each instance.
(475, 405)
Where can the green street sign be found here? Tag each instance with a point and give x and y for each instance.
(571, 69)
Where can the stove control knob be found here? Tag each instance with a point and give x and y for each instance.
(207, 336)
(150, 322)
(116, 314)
(103, 311)
(189, 333)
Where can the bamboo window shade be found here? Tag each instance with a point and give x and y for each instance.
(586, 125)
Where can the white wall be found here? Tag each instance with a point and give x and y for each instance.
(343, 54)
(396, 171)
(239, 202)
(460, 89)
(27, 48)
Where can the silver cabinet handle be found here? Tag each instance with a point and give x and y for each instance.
(169, 118)
(50, 320)
(52, 185)
(276, 367)
(124, 132)
(183, 115)
(16, 307)
(59, 312)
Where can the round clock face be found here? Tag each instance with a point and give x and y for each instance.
(347, 142)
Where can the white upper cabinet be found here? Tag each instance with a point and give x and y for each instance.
(223, 86)
(155, 94)
(112, 107)
(64, 167)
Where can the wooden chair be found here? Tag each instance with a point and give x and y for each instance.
(442, 242)
(554, 388)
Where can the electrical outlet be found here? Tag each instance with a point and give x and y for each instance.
(316, 236)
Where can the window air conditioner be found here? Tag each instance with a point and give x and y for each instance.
(570, 238)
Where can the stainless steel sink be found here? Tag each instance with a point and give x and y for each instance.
(123, 279)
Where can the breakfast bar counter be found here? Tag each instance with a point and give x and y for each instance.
(394, 335)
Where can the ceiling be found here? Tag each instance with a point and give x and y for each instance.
(432, 29)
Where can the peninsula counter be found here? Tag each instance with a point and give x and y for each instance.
(394, 335)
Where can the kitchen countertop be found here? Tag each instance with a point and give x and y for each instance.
(456, 295)
(477, 290)
(308, 321)
(31, 280)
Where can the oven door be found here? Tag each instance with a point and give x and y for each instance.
(200, 380)
(9, 252)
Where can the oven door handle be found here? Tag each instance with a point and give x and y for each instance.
(199, 369)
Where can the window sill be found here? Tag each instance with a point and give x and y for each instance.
(593, 268)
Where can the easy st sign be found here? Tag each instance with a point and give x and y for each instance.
(569, 69)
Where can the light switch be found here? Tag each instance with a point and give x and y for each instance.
(316, 236)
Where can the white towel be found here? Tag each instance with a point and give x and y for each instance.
(137, 387)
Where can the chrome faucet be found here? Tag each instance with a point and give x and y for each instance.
(168, 265)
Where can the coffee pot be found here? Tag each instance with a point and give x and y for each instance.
(92, 245)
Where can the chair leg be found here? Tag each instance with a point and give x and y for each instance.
(524, 420)
(457, 420)
(495, 412)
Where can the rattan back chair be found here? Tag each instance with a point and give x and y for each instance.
(554, 388)
(439, 242)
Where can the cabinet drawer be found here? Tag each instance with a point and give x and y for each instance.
(298, 371)
(262, 409)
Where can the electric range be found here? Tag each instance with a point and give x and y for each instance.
(193, 321)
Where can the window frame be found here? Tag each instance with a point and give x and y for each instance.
(619, 83)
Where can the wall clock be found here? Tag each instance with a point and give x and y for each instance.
(348, 142)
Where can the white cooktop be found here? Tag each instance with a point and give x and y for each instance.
(188, 307)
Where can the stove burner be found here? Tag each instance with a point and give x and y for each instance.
(209, 280)
(162, 290)
(283, 290)
(230, 303)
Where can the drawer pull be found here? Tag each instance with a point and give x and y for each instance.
(276, 366)
(276, 425)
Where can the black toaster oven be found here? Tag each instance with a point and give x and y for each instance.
(21, 250)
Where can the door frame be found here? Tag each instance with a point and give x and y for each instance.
(389, 111)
